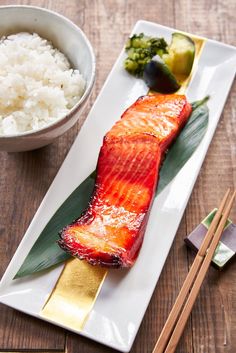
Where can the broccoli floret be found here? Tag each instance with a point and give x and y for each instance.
(140, 50)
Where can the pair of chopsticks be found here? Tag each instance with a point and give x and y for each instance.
(181, 310)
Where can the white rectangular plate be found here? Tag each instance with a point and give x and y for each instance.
(114, 320)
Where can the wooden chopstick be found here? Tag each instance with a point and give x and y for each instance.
(170, 323)
(198, 282)
(215, 228)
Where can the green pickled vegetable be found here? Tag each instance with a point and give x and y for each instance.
(140, 50)
(158, 76)
(180, 54)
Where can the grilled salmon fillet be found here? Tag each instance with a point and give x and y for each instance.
(110, 231)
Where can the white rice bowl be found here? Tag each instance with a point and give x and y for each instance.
(37, 84)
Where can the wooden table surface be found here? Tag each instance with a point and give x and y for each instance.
(25, 178)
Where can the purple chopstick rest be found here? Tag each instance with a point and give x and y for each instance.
(226, 248)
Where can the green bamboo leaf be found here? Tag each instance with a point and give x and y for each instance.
(184, 146)
(45, 253)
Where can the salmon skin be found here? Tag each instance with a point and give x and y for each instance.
(110, 231)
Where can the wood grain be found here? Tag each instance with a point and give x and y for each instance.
(25, 178)
(212, 316)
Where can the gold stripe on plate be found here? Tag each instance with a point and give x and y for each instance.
(79, 284)
(74, 294)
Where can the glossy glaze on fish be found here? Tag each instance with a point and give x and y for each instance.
(110, 232)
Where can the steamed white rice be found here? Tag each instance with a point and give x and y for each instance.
(37, 84)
